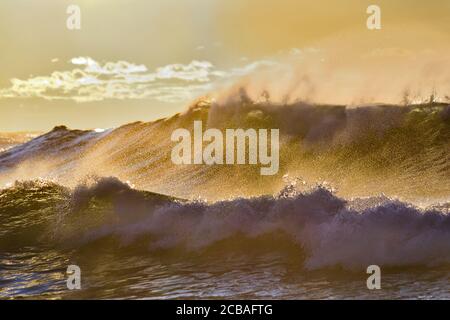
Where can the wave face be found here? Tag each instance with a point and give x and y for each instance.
(363, 151)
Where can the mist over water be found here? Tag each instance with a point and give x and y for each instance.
(353, 69)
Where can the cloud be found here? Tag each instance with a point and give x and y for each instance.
(89, 80)
(109, 68)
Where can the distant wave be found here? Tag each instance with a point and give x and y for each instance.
(327, 231)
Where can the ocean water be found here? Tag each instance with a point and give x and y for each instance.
(357, 187)
(40, 275)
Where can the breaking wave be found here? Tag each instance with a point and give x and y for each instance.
(325, 230)
(388, 166)
(362, 151)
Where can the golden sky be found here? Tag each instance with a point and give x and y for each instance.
(140, 60)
